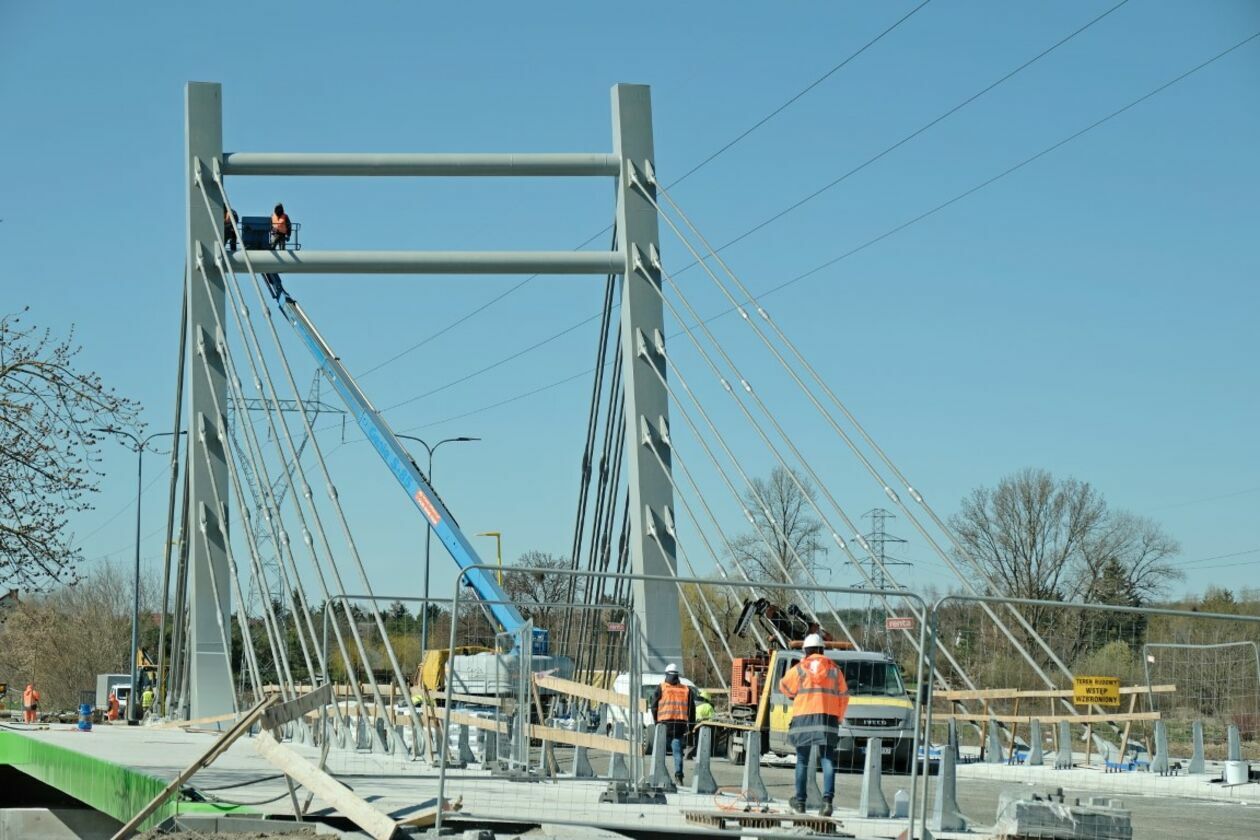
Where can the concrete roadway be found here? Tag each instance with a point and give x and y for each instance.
(1153, 818)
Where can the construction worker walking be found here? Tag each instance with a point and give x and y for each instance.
(146, 701)
(30, 703)
(674, 707)
(819, 697)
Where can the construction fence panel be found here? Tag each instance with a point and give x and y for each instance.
(562, 732)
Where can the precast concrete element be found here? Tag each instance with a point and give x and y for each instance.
(1101, 817)
(901, 804)
(548, 757)
(1036, 758)
(660, 777)
(1234, 750)
(1196, 760)
(54, 824)
(464, 746)
(382, 735)
(993, 745)
(1063, 751)
(652, 543)
(489, 748)
(873, 805)
(428, 262)
(813, 796)
(1159, 762)
(754, 788)
(582, 768)
(361, 740)
(704, 783)
(946, 815)
(508, 164)
(951, 736)
(209, 594)
(617, 768)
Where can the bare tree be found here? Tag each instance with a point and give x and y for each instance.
(786, 522)
(48, 408)
(1044, 538)
(531, 590)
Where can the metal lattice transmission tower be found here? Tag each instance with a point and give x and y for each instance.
(877, 563)
(635, 257)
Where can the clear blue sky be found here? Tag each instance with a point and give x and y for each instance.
(1094, 313)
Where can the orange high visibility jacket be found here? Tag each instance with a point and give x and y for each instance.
(673, 703)
(280, 224)
(818, 692)
(30, 697)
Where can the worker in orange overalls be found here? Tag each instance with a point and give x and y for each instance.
(30, 703)
(819, 697)
(281, 228)
(112, 714)
(674, 707)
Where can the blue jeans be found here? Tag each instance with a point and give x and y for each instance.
(828, 771)
(676, 744)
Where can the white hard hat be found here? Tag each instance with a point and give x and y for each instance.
(671, 668)
(813, 640)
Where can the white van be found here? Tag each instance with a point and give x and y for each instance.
(621, 685)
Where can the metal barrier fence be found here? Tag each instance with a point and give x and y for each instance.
(616, 775)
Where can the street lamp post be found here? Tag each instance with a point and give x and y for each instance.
(428, 532)
(133, 702)
(498, 551)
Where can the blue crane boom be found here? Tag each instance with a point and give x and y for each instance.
(399, 462)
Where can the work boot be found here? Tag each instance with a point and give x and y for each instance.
(796, 805)
(825, 810)
(678, 777)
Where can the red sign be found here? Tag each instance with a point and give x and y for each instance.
(427, 506)
(899, 623)
(616, 627)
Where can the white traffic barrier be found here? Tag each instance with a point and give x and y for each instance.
(1036, 757)
(661, 777)
(873, 805)
(945, 813)
(704, 783)
(753, 787)
(1196, 760)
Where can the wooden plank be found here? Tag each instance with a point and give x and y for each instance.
(579, 739)
(552, 766)
(1083, 718)
(1013, 693)
(589, 692)
(282, 713)
(216, 749)
(427, 818)
(201, 721)
(347, 803)
(1124, 740)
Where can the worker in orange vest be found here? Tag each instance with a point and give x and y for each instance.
(674, 707)
(819, 696)
(112, 714)
(281, 228)
(30, 703)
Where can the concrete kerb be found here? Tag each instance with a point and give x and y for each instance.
(754, 783)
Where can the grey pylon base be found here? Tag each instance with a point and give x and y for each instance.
(703, 781)
(1035, 756)
(872, 804)
(1196, 760)
(660, 777)
(754, 788)
(813, 796)
(617, 768)
(946, 815)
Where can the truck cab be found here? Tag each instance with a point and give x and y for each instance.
(879, 707)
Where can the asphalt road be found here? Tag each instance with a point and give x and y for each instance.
(1153, 818)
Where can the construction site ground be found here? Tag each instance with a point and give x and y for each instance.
(399, 788)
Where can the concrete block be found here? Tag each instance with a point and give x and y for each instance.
(463, 745)
(582, 768)
(754, 788)
(660, 777)
(1026, 817)
(1159, 762)
(55, 824)
(946, 815)
(1035, 756)
(1196, 760)
(703, 781)
(873, 805)
(993, 745)
(901, 804)
(617, 768)
(813, 796)
(1234, 748)
(1063, 752)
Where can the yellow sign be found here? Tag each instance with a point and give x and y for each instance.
(1096, 691)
